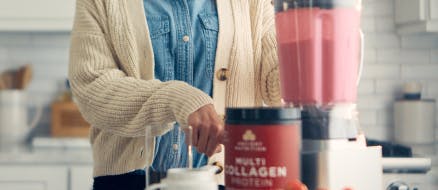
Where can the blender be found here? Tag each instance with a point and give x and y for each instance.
(320, 48)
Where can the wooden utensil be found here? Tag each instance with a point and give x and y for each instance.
(23, 77)
(2, 83)
(8, 80)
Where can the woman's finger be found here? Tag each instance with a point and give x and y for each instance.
(218, 148)
(203, 139)
(211, 145)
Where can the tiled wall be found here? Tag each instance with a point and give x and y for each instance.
(390, 60)
(48, 53)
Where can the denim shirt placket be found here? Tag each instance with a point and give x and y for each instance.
(179, 30)
(185, 48)
(184, 65)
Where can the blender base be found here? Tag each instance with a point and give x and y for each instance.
(340, 165)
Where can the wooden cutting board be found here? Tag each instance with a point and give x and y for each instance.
(67, 121)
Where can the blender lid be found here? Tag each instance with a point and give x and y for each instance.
(325, 4)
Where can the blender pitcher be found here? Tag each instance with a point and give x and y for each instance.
(319, 50)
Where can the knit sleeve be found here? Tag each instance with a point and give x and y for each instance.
(270, 70)
(111, 100)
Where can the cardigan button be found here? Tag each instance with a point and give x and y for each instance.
(223, 74)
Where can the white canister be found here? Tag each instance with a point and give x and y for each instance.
(14, 126)
(414, 122)
(187, 179)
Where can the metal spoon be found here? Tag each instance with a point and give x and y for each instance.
(189, 136)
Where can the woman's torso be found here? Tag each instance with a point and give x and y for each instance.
(238, 50)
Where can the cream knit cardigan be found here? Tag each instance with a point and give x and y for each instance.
(112, 76)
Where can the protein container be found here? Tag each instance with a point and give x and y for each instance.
(262, 148)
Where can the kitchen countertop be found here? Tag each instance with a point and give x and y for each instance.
(49, 151)
(83, 156)
(49, 156)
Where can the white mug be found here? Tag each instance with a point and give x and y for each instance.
(14, 126)
(187, 179)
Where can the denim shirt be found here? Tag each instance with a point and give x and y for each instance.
(184, 38)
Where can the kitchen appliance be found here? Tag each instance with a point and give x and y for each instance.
(406, 173)
(403, 171)
(319, 49)
(414, 119)
(321, 53)
(415, 125)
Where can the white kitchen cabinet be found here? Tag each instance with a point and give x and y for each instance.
(81, 178)
(28, 177)
(416, 16)
(36, 15)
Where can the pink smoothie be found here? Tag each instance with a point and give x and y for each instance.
(319, 53)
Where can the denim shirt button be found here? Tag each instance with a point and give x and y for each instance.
(186, 38)
(175, 147)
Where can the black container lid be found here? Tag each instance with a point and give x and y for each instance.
(324, 4)
(254, 116)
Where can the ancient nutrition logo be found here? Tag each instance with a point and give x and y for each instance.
(249, 136)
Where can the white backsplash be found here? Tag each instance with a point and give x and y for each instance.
(48, 53)
(390, 60)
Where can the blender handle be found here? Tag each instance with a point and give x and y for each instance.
(362, 54)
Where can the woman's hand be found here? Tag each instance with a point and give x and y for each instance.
(208, 130)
